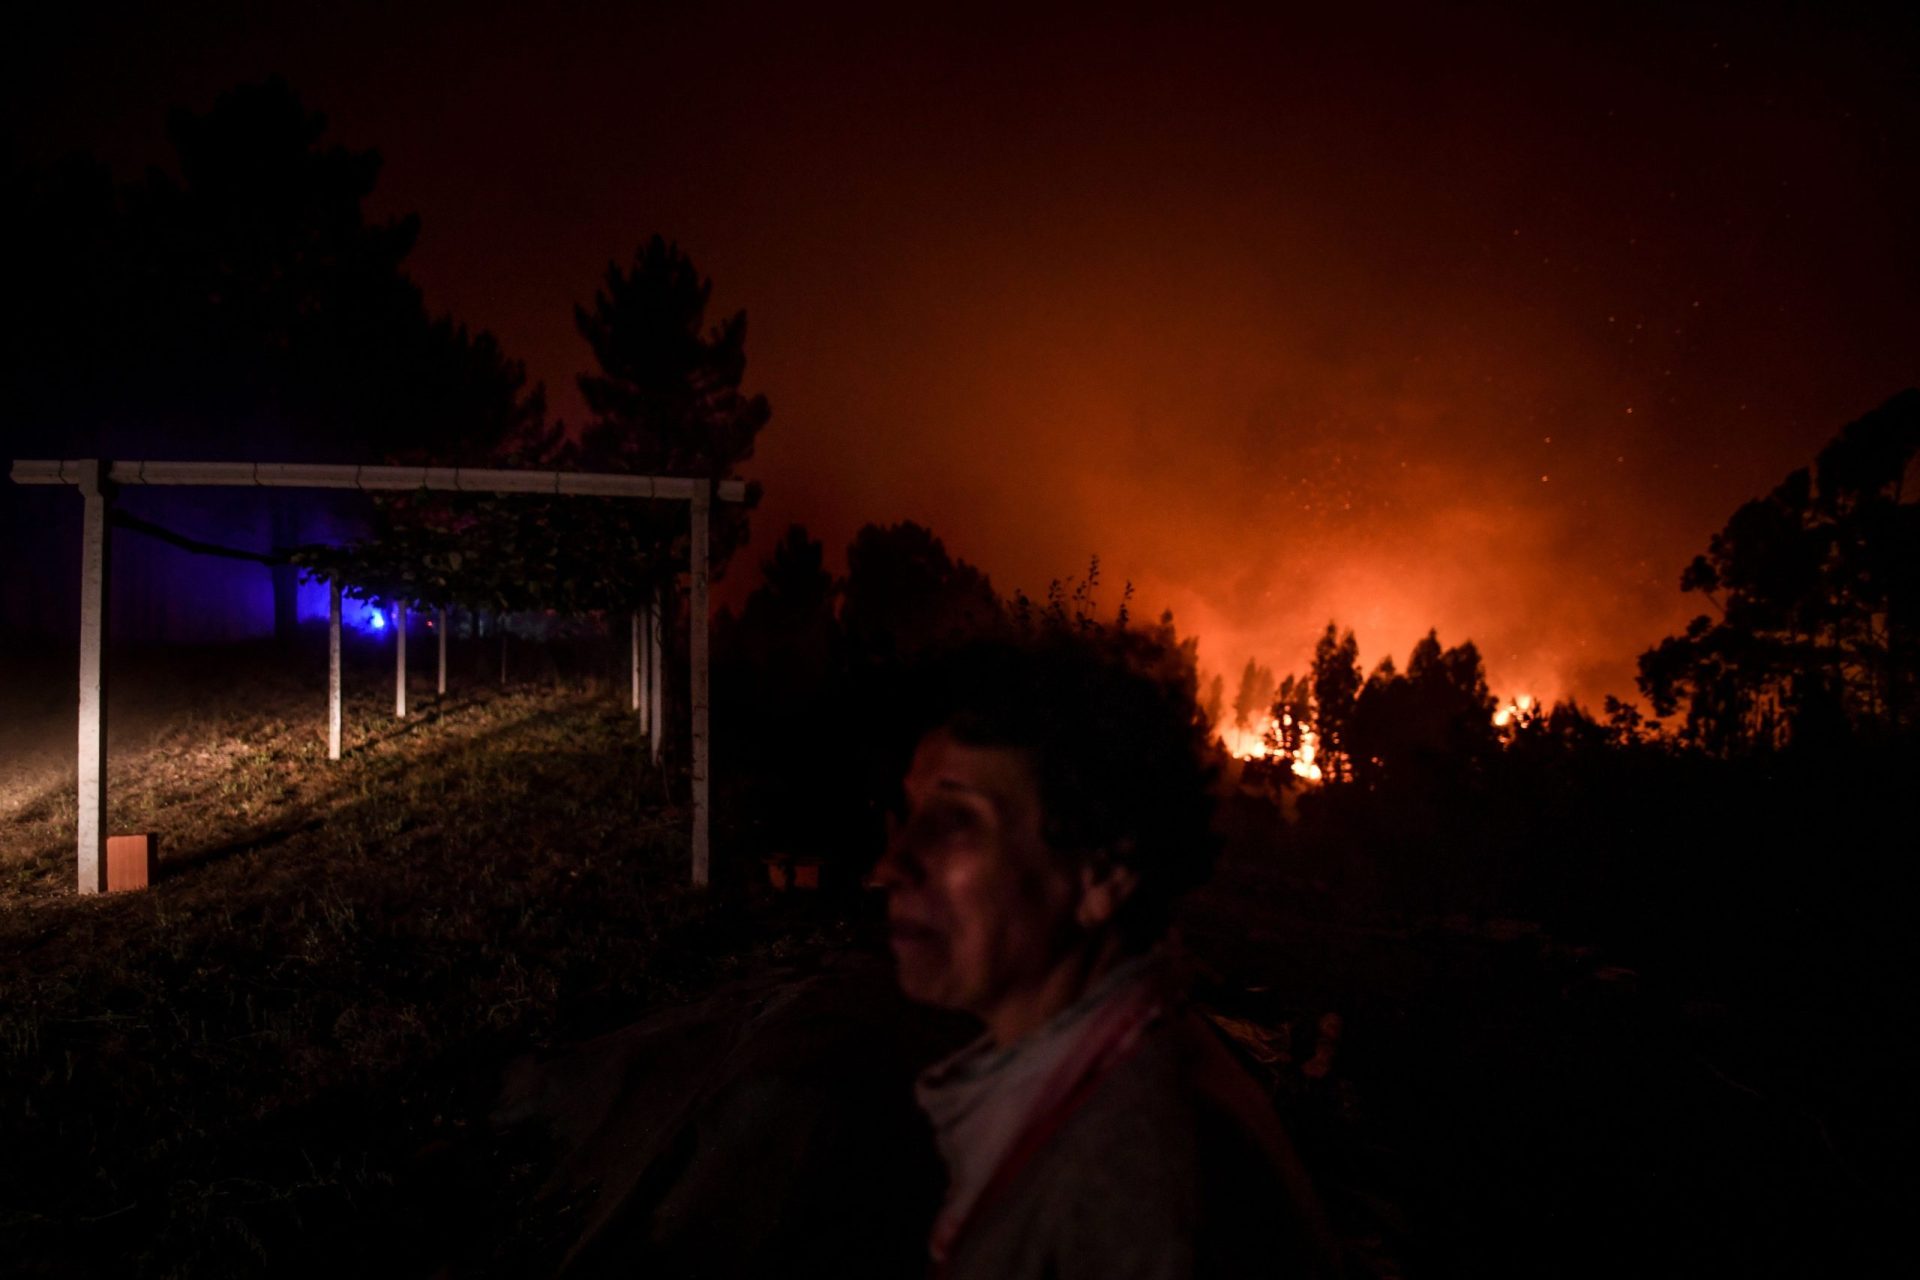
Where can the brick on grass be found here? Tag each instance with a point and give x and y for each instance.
(131, 861)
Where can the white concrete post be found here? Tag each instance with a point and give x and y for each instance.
(400, 661)
(633, 664)
(697, 629)
(656, 727)
(440, 625)
(333, 670)
(91, 824)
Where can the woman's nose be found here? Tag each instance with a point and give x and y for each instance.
(897, 864)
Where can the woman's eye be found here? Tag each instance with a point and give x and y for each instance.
(946, 821)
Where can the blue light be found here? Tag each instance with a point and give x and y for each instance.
(365, 617)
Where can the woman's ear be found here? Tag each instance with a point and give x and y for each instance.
(1106, 883)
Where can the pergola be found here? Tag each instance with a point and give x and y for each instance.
(97, 480)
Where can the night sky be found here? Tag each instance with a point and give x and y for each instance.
(1474, 317)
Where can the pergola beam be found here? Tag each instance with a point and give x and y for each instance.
(97, 478)
(294, 475)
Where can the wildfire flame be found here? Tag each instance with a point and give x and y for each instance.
(1520, 709)
(1251, 744)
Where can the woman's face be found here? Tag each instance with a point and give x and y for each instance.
(980, 909)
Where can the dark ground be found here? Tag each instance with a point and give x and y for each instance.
(289, 1056)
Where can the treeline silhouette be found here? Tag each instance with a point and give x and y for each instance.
(1815, 587)
(667, 401)
(1792, 725)
(245, 305)
(1755, 803)
(241, 305)
(1658, 999)
(812, 675)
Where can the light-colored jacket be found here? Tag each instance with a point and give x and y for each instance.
(1152, 1156)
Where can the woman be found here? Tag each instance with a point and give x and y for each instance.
(1056, 806)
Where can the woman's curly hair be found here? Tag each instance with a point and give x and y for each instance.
(1119, 745)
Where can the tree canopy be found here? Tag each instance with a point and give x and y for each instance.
(243, 307)
(667, 401)
(1336, 691)
(1255, 695)
(1437, 718)
(1815, 589)
(1434, 719)
(905, 595)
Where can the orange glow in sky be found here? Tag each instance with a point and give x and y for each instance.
(1481, 319)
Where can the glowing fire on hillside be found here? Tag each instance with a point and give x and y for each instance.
(1252, 744)
(1519, 711)
(1257, 743)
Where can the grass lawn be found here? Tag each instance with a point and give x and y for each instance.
(281, 1058)
(258, 1065)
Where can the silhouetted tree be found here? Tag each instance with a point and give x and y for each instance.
(1434, 721)
(1381, 728)
(68, 309)
(788, 627)
(666, 402)
(1625, 724)
(1292, 713)
(1073, 608)
(1214, 702)
(1336, 690)
(1576, 730)
(247, 308)
(667, 399)
(1254, 697)
(784, 727)
(1816, 588)
(1452, 703)
(904, 595)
